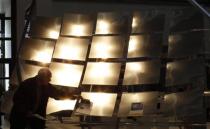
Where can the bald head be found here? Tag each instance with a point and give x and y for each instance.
(44, 75)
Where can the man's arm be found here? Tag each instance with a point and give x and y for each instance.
(63, 93)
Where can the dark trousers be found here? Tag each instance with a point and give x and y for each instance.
(19, 122)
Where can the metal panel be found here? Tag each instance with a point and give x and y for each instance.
(111, 23)
(186, 44)
(101, 73)
(147, 72)
(103, 103)
(28, 70)
(107, 47)
(59, 105)
(148, 100)
(77, 25)
(184, 104)
(182, 72)
(145, 46)
(37, 50)
(148, 21)
(66, 74)
(71, 48)
(186, 19)
(45, 27)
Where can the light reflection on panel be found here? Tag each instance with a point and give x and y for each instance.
(110, 23)
(102, 73)
(103, 103)
(144, 46)
(77, 25)
(71, 48)
(147, 100)
(147, 72)
(187, 44)
(147, 21)
(37, 50)
(183, 103)
(45, 27)
(59, 105)
(182, 72)
(66, 74)
(28, 70)
(107, 47)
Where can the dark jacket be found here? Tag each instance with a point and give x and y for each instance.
(31, 97)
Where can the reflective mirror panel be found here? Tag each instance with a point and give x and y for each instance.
(147, 21)
(45, 27)
(182, 72)
(147, 72)
(78, 25)
(28, 70)
(59, 105)
(101, 73)
(66, 74)
(185, 20)
(103, 103)
(71, 48)
(186, 44)
(138, 104)
(144, 46)
(107, 47)
(37, 50)
(183, 103)
(111, 23)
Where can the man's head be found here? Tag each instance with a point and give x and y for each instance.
(44, 76)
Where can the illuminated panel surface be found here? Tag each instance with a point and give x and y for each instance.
(77, 25)
(107, 47)
(144, 46)
(147, 21)
(59, 105)
(66, 74)
(28, 70)
(71, 48)
(147, 72)
(187, 44)
(102, 73)
(103, 103)
(138, 104)
(110, 23)
(37, 50)
(43, 27)
(182, 72)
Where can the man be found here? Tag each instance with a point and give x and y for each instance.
(31, 98)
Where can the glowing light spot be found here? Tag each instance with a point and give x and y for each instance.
(43, 56)
(103, 27)
(77, 30)
(53, 34)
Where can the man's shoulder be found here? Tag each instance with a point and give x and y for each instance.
(29, 81)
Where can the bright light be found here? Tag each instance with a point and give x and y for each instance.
(66, 74)
(103, 103)
(53, 34)
(77, 30)
(58, 105)
(43, 56)
(135, 67)
(69, 52)
(133, 43)
(103, 50)
(103, 27)
(134, 22)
